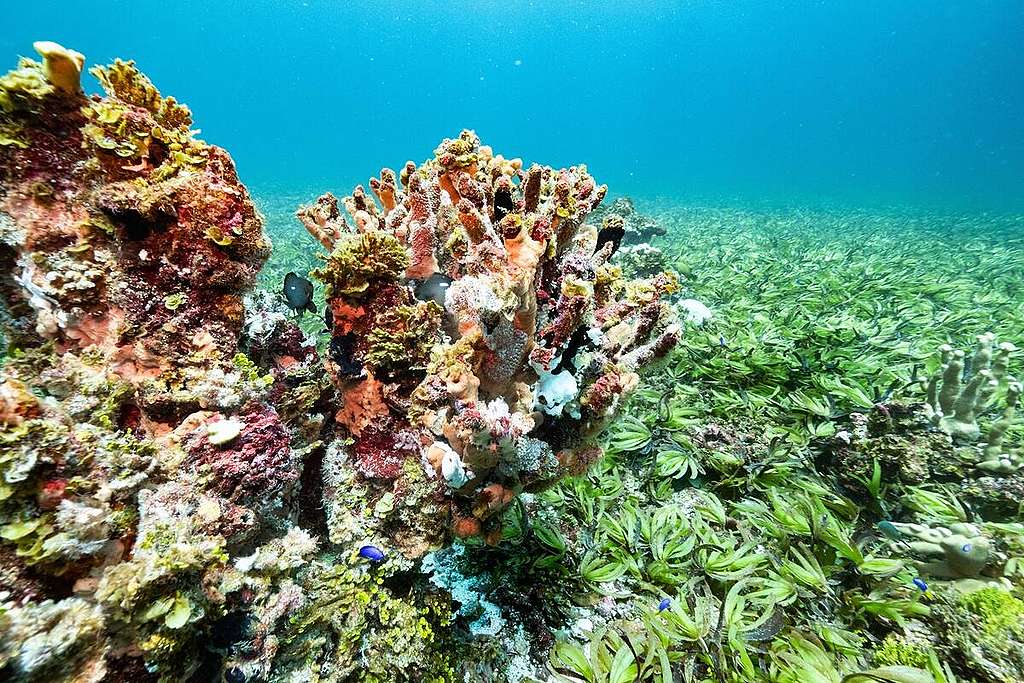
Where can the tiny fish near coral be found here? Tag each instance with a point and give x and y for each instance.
(298, 292)
(371, 553)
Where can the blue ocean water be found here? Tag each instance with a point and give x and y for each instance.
(868, 102)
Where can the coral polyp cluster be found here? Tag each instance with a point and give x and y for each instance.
(480, 333)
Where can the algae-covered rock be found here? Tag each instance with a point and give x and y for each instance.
(910, 449)
(123, 323)
(638, 227)
(983, 629)
(896, 436)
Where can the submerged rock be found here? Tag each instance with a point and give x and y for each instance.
(128, 245)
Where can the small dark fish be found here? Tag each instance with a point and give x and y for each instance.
(611, 232)
(805, 364)
(232, 628)
(371, 553)
(433, 288)
(328, 320)
(298, 292)
(664, 604)
(342, 350)
(890, 390)
(664, 411)
(890, 530)
(919, 582)
(503, 204)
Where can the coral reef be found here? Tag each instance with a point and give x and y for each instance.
(479, 335)
(141, 447)
(197, 485)
(175, 455)
(642, 260)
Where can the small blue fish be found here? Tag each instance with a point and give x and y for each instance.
(664, 604)
(371, 553)
(721, 341)
(919, 582)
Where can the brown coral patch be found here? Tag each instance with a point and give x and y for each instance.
(362, 404)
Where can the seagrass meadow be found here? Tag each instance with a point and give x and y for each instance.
(736, 529)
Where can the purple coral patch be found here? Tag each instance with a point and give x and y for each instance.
(256, 464)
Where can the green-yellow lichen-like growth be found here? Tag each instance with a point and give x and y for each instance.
(161, 138)
(1000, 611)
(896, 651)
(404, 337)
(376, 633)
(358, 260)
(23, 85)
(125, 82)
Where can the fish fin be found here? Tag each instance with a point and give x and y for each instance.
(311, 307)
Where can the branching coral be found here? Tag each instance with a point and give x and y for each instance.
(963, 386)
(527, 297)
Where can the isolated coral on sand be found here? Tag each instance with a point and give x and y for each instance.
(636, 227)
(478, 329)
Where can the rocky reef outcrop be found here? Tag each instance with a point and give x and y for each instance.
(183, 471)
(140, 450)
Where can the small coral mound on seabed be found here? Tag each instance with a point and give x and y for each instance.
(479, 335)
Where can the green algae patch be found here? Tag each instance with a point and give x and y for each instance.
(358, 260)
(896, 651)
(1001, 612)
